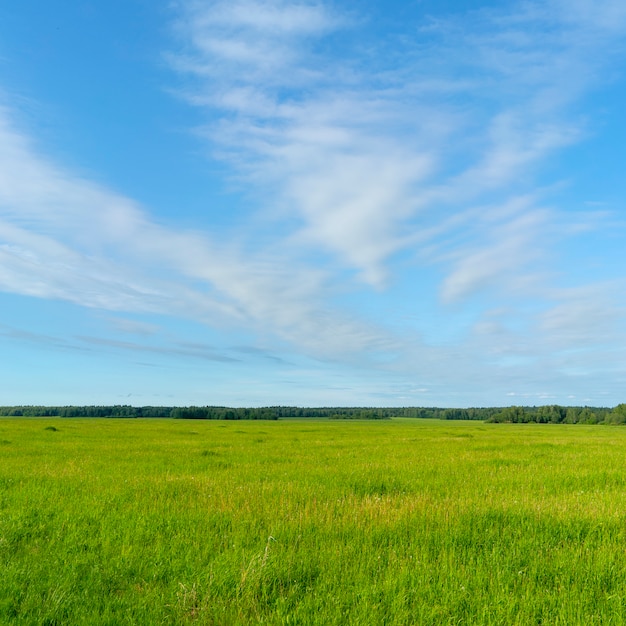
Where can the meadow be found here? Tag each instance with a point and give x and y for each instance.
(311, 522)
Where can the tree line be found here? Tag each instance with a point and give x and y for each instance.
(127, 411)
(547, 414)
(555, 414)
(204, 412)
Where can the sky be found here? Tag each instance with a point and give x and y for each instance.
(313, 202)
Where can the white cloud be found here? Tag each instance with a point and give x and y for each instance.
(251, 40)
(584, 317)
(439, 152)
(513, 248)
(134, 327)
(368, 159)
(64, 237)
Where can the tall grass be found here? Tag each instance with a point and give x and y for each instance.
(396, 522)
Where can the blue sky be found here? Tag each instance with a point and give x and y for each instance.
(260, 202)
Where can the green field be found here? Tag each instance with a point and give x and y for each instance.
(311, 522)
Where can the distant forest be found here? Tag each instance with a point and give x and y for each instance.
(549, 414)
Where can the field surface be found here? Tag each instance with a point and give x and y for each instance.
(310, 522)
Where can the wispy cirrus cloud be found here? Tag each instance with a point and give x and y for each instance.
(67, 238)
(433, 145)
(368, 158)
(186, 350)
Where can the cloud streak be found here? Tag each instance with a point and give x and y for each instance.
(367, 162)
(66, 238)
(438, 154)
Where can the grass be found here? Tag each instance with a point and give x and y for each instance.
(305, 522)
